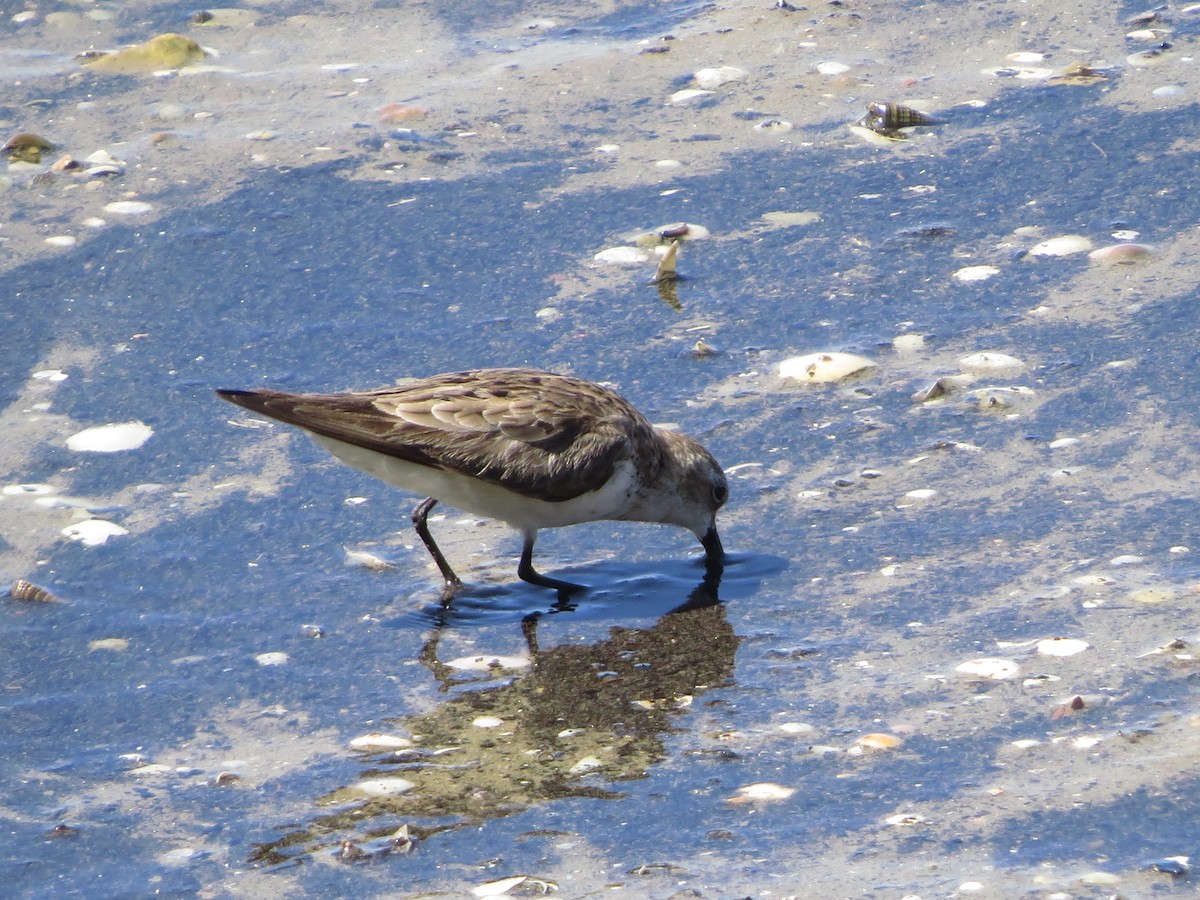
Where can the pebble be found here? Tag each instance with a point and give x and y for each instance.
(112, 438)
(93, 532)
(824, 368)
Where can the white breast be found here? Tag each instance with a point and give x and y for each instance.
(523, 512)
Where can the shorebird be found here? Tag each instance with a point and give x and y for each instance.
(532, 449)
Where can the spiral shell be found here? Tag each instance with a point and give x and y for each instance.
(887, 118)
(29, 592)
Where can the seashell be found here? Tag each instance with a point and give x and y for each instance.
(26, 147)
(666, 265)
(879, 741)
(975, 273)
(376, 742)
(111, 438)
(688, 95)
(622, 256)
(990, 361)
(1151, 57)
(93, 532)
(989, 667)
(128, 207)
(1078, 73)
(832, 68)
(761, 792)
(28, 592)
(715, 77)
(272, 658)
(887, 117)
(1121, 254)
(1061, 646)
(1025, 58)
(104, 170)
(383, 787)
(774, 126)
(62, 240)
(1062, 245)
(871, 136)
(824, 367)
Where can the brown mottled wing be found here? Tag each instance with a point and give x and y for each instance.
(528, 431)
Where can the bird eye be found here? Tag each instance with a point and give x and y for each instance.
(720, 493)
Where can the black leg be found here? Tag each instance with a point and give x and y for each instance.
(526, 572)
(453, 583)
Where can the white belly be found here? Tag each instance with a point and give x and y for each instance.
(612, 501)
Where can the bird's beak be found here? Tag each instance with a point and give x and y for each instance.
(712, 546)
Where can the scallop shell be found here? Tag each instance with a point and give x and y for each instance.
(29, 592)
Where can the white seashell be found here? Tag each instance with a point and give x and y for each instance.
(274, 658)
(376, 741)
(1126, 559)
(115, 644)
(1026, 58)
(797, 728)
(1167, 90)
(904, 819)
(667, 164)
(622, 256)
(128, 207)
(715, 77)
(366, 560)
(774, 126)
(111, 438)
(823, 368)
(62, 240)
(383, 787)
(1061, 646)
(50, 375)
(499, 887)
(1064, 442)
(93, 532)
(487, 722)
(487, 663)
(33, 490)
(990, 361)
(975, 273)
(1063, 245)
(688, 95)
(989, 667)
(921, 494)
(1025, 743)
(761, 792)
(830, 67)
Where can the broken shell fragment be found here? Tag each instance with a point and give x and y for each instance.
(165, 51)
(29, 592)
(666, 265)
(1078, 73)
(824, 368)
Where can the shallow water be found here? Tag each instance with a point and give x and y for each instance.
(847, 605)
